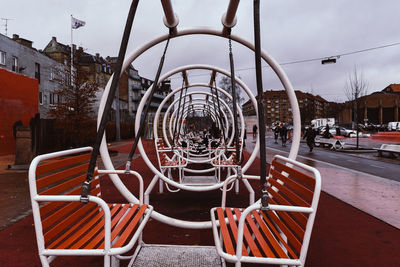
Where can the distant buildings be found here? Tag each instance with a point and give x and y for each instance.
(18, 55)
(278, 109)
(377, 108)
(51, 67)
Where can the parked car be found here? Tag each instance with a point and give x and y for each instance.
(332, 131)
(394, 126)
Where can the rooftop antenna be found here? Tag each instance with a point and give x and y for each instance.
(5, 23)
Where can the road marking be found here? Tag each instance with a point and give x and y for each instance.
(380, 167)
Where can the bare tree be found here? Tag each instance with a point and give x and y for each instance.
(225, 83)
(72, 104)
(356, 88)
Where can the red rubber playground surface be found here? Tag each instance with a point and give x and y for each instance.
(342, 234)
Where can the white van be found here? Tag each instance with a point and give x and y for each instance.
(394, 126)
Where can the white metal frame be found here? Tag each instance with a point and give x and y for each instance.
(238, 258)
(47, 255)
(197, 31)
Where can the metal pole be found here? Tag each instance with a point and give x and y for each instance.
(260, 104)
(171, 19)
(110, 99)
(72, 53)
(117, 117)
(229, 18)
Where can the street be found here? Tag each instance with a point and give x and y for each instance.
(367, 162)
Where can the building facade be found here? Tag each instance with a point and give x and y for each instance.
(278, 109)
(18, 55)
(377, 108)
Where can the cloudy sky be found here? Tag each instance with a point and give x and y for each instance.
(292, 30)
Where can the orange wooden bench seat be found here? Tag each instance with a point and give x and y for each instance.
(66, 226)
(165, 161)
(224, 162)
(279, 234)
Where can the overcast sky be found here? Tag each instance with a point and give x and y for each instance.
(292, 30)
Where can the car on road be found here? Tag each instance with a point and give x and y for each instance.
(332, 131)
(394, 126)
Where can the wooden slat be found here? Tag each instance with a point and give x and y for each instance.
(310, 181)
(271, 227)
(99, 238)
(270, 237)
(246, 233)
(305, 192)
(125, 220)
(225, 233)
(294, 220)
(131, 226)
(59, 176)
(69, 221)
(56, 216)
(61, 163)
(78, 229)
(292, 239)
(232, 224)
(284, 191)
(54, 206)
(94, 231)
(279, 200)
(65, 187)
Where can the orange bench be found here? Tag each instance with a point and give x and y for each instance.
(167, 163)
(278, 234)
(64, 225)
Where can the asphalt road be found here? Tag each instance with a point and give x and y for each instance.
(372, 165)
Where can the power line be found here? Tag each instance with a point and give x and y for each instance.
(313, 59)
(336, 56)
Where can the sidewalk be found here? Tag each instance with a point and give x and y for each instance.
(15, 201)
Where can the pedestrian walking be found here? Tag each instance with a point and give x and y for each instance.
(283, 134)
(276, 134)
(310, 136)
(254, 131)
(327, 134)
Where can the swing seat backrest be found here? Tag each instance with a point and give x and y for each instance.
(66, 226)
(279, 234)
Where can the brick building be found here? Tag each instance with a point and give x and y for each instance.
(377, 108)
(278, 109)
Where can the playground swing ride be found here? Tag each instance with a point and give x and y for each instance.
(200, 149)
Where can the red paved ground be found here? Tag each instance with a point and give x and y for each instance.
(342, 235)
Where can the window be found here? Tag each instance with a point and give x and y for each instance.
(52, 74)
(40, 98)
(53, 98)
(15, 64)
(2, 58)
(37, 71)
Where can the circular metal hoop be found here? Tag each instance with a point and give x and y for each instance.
(196, 31)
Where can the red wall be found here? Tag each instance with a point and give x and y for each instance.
(18, 101)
